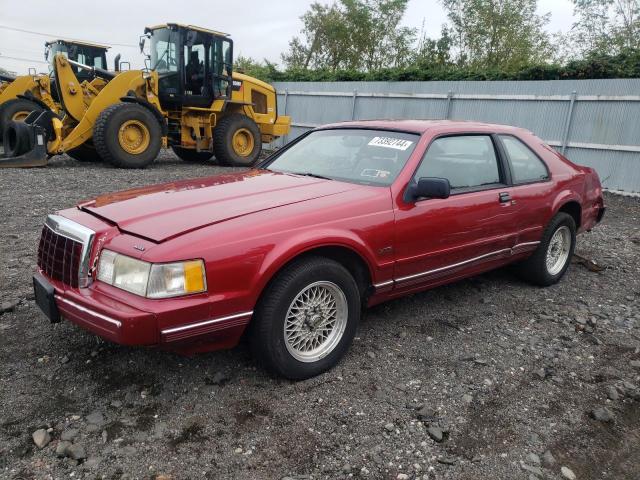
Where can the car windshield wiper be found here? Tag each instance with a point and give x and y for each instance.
(310, 174)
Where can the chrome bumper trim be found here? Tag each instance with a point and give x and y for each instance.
(95, 314)
(205, 322)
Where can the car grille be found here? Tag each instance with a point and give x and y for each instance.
(59, 257)
(63, 252)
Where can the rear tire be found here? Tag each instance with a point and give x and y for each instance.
(237, 141)
(552, 258)
(191, 156)
(16, 110)
(290, 335)
(85, 153)
(127, 135)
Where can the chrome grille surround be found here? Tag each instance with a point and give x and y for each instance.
(77, 233)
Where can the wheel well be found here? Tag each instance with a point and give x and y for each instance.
(573, 209)
(349, 259)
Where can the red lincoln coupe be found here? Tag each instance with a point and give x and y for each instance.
(346, 216)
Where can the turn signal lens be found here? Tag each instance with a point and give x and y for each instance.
(161, 280)
(174, 279)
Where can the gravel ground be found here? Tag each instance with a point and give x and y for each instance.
(486, 378)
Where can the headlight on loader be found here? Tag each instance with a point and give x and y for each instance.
(160, 280)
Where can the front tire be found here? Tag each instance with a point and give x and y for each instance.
(306, 319)
(127, 135)
(552, 258)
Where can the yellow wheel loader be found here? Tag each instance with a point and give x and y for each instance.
(24, 94)
(189, 100)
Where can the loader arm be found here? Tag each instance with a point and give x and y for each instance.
(111, 93)
(70, 89)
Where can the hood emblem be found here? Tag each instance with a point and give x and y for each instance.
(139, 247)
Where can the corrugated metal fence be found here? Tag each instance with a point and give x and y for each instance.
(594, 122)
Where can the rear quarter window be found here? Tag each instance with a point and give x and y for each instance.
(525, 165)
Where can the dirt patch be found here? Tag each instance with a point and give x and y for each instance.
(510, 370)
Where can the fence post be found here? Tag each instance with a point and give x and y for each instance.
(353, 105)
(284, 107)
(567, 123)
(449, 100)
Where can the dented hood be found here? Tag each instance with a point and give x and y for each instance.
(160, 212)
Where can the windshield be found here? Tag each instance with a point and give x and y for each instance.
(164, 51)
(92, 57)
(368, 157)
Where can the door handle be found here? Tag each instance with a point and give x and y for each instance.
(504, 197)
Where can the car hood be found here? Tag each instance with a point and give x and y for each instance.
(160, 212)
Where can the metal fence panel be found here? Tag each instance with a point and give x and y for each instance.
(595, 122)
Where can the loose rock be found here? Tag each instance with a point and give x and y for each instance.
(41, 438)
(435, 433)
(602, 414)
(76, 452)
(568, 473)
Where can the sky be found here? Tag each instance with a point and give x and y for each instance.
(260, 29)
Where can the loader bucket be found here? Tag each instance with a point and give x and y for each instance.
(25, 143)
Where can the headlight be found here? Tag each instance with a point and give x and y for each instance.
(160, 280)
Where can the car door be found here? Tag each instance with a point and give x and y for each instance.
(532, 190)
(474, 228)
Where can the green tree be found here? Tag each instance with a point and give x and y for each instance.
(352, 35)
(503, 34)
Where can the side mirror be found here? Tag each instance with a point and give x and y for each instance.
(428, 187)
(141, 43)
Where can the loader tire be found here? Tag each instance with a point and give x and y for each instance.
(16, 110)
(127, 135)
(237, 141)
(85, 153)
(17, 139)
(189, 155)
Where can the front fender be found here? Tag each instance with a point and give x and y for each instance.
(305, 242)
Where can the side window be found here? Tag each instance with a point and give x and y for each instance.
(525, 165)
(194, 57)
(259, 101)
(467, 161)
(221, 66)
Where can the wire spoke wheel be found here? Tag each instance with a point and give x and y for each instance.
(316, 321)
(558, 250)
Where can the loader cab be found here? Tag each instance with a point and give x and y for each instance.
(87, 53)
(194, 65)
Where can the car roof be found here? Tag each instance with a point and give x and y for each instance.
(422, 126)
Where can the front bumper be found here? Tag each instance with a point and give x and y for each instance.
(177, 324)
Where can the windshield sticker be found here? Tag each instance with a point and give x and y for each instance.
(373, 173)
(390, 142)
